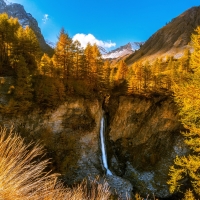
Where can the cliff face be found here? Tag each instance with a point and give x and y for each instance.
(70, 134)
(143, 138)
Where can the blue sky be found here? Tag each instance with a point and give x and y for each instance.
(111, 23)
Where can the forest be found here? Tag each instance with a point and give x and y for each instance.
(44, 81)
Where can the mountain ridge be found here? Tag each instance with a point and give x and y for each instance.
(124, 50)
(172, 38)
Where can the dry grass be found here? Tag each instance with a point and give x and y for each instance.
(23, 176)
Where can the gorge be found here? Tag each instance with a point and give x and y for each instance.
(142, 139)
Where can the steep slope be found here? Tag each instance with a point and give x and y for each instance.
(25, 19)
(123, 50)
(170, 39)
(144, 138)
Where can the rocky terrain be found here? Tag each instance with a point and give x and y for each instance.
(145, 137)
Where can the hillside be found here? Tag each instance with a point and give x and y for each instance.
(170, 39)
(26, 19)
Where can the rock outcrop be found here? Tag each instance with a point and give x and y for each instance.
(71, 136)
(145, 137)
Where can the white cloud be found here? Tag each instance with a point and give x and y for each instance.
(45, 18)
(84, 39)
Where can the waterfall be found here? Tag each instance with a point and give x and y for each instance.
(103, 147)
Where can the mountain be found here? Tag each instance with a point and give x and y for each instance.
(123, 50)
(102, 50)
(26, 19)
(171, 39)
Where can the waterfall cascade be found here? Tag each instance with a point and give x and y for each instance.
(103, 147)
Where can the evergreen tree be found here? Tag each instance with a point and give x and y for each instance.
(106, 74)
(49, 92)
(97, 65)
(146, 75)
(139, 75)
(195, 61)
(28, 46)
(23, 89)
(89, 60)
(122, 71)
(8, 28)
(77, 56)
(131, 77)
(46, 66)
(112, 77)
(188, 99)
(63, 54)
(156, 72)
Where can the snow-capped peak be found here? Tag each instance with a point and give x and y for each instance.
(7, 2)
(136, 45)
(123, 50)
(51, 44)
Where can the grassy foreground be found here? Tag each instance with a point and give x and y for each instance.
(23, 175)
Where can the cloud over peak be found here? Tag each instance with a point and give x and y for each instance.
(84, 39)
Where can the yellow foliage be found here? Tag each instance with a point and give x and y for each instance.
(189, 195)
(187, 96)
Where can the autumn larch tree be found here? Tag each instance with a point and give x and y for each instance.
(63, 54)
(187, 96)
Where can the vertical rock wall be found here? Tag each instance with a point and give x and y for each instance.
(145, 137)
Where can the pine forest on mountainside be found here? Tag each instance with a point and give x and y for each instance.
(44, 82)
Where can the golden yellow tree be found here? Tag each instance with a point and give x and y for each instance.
(46, 65)
(187, 96)
(63, 54)
(122, 71)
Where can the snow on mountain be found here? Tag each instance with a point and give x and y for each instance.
(2, 5)
(7, 2)
(51, 44)
(123, 50)
(102, 50)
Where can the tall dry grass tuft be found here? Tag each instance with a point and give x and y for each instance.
(22, 173)
(23, 176)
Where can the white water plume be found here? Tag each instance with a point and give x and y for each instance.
(103, 147)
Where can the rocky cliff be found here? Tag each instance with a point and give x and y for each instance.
(143, 138)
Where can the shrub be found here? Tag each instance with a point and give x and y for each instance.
(23, 176)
